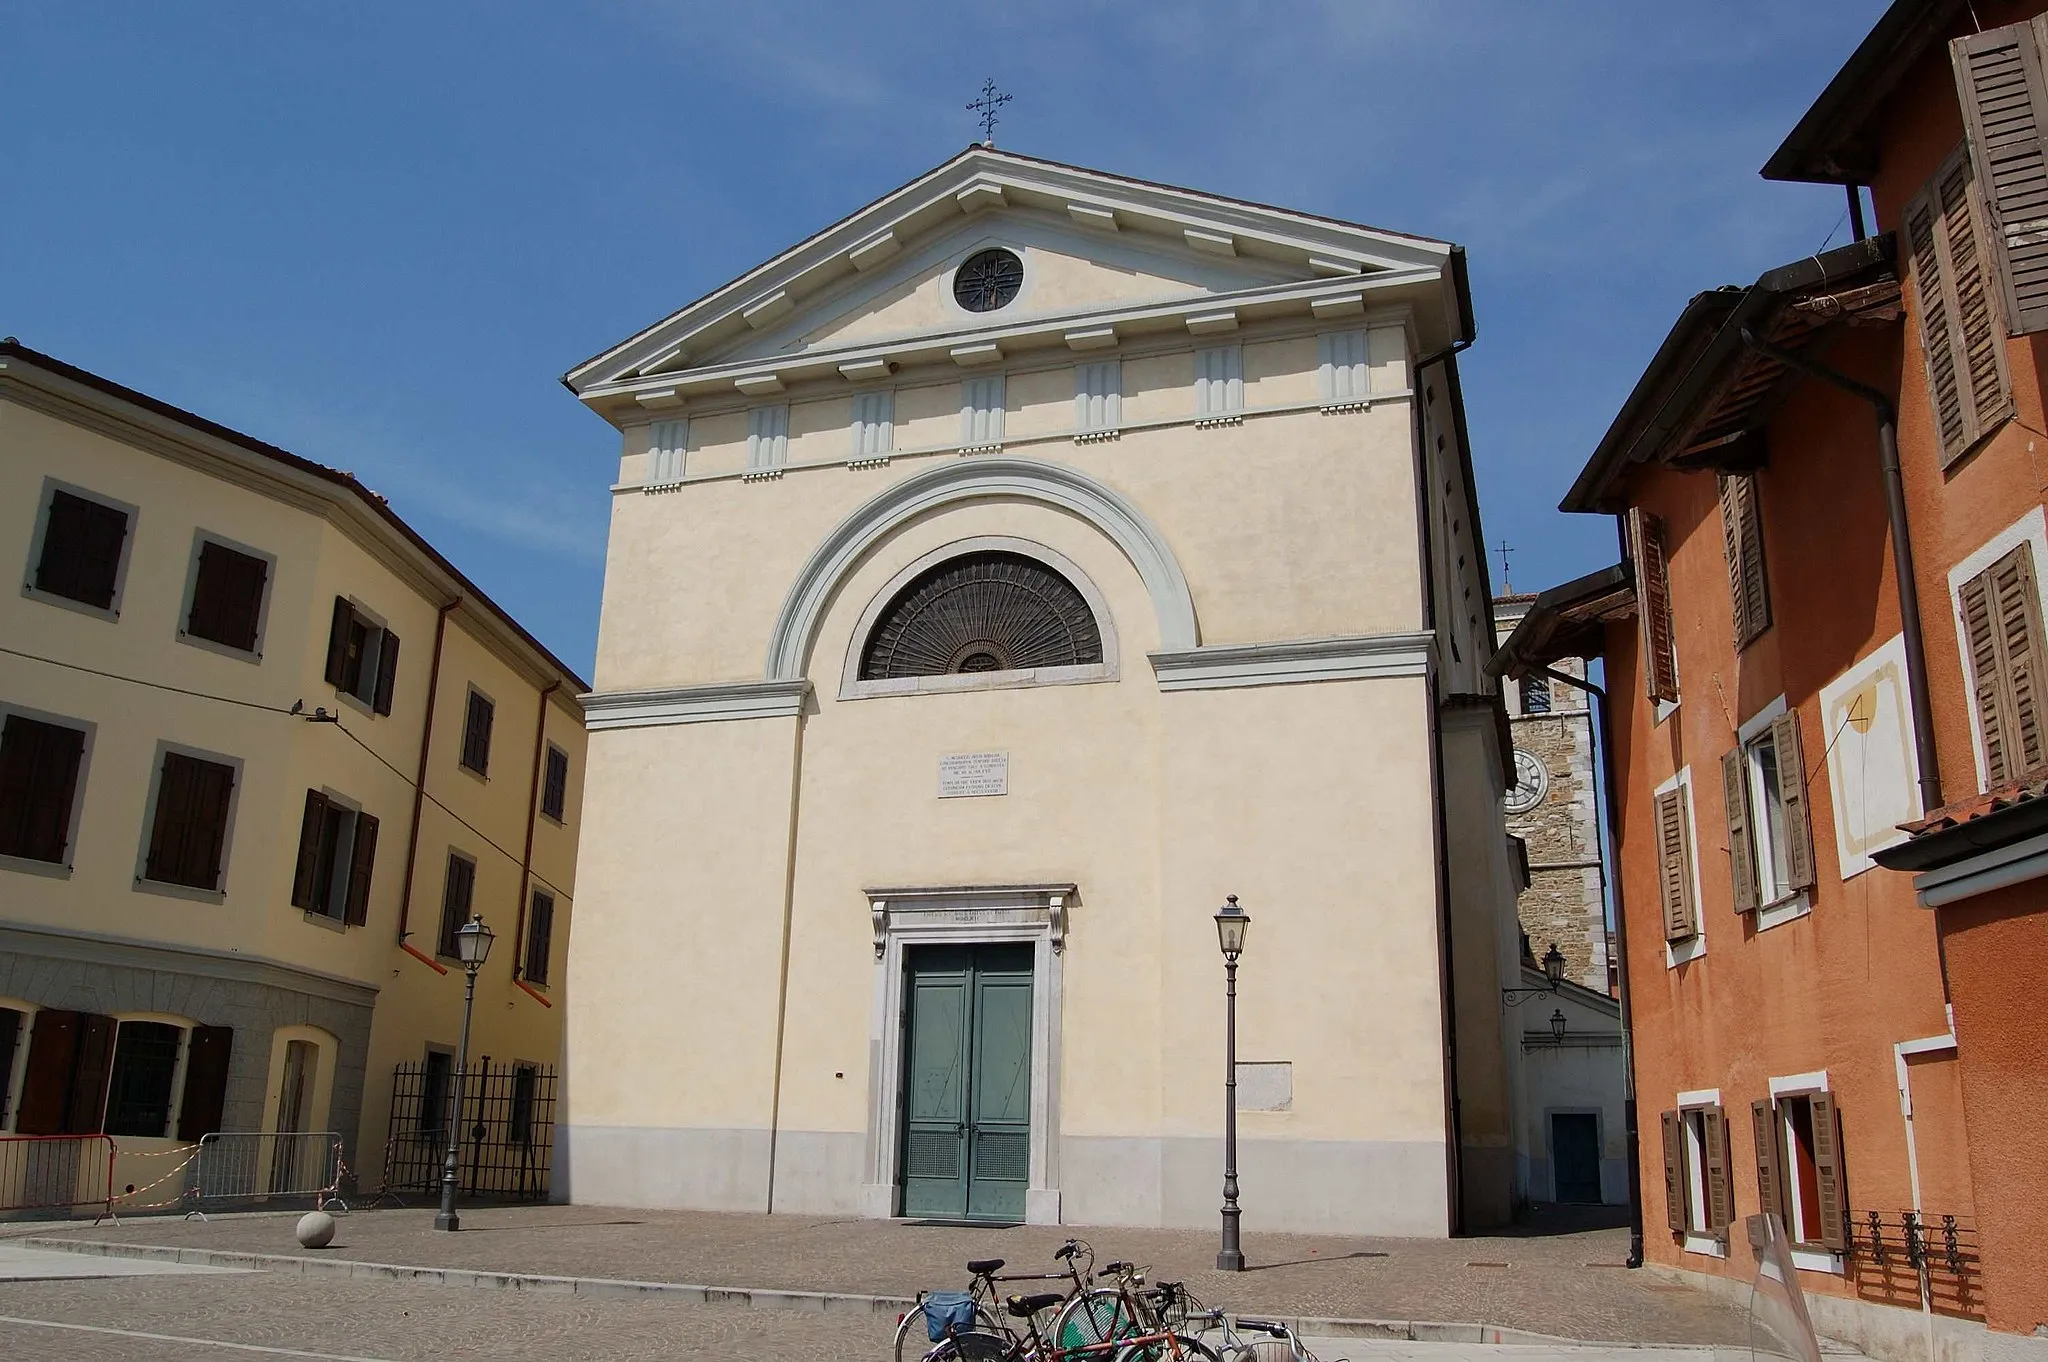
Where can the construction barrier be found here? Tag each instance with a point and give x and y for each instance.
(56, 1173)
(251, 1166)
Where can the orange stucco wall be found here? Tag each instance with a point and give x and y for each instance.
(1836, 989)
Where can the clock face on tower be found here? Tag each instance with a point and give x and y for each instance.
(1532, 782)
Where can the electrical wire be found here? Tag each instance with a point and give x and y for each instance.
(298, 710)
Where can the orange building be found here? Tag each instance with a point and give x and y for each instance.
(1824, 655)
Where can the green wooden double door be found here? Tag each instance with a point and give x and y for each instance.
(967, 1081)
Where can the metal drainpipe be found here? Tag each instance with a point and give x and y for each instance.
(1628, 1030)
(419, 785)
(1902, 554)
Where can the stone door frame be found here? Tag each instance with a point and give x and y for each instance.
(964, 915)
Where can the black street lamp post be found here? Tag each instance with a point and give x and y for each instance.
(1232, 922)
(472, 948)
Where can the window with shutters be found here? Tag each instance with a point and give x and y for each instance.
(540, 933)
(874, 424)
(1742, 535)
(2004, 96)
(1798, 1135)
(337, 856)
(79, 556)
(981, 412)
(1999, 618)
(1219, 384)
(1677, 871)
(362, 656)
(1770, 830)
(1098, 399)
(1699, 1196)
(191, 811)
(554, 790)
(1960, 342)
(139, 1094)
(64, 1086)
(225, 597)
(42, 765)
(1657, 640)
(458, 892)
(477, 719)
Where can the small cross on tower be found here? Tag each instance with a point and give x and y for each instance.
(986, 106)
(1507, 585)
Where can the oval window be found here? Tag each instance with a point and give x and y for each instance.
(988, 280)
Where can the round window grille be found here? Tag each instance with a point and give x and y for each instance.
(988, 280)
(985, 612)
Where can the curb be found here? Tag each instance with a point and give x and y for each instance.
(1413, 1331)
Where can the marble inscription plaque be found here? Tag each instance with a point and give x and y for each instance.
(963, 775)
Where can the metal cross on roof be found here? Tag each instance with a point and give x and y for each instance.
(1507, 585)
(986, 106)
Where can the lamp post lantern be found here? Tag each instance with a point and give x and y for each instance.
(1553, 966)
(472, 948)
(1232, 922)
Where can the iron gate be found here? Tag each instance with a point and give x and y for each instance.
(507, 1123)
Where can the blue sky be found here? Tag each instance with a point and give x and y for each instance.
(377, 234)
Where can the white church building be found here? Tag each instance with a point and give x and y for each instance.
(996, 581)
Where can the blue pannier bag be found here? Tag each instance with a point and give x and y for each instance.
(942, 1308)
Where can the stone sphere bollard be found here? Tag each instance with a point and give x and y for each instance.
(316, 1229)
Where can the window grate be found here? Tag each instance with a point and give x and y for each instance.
(985, 612)
(507, 1124)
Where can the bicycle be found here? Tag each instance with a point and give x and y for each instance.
(978, 1345)
(1104, 1314)
(983, 1289)
(1237, 1349)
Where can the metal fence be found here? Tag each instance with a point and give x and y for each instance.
(248, 1166)
(56, 1172)
(507, 1125)
(1895, 1251)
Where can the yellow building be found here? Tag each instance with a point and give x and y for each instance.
(997, 579)
(261, 750)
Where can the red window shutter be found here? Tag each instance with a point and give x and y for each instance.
(1653, 604)
(1720, 1194)
(206, 1081)
(2004, 97)
(46, 1087)
(1827, 1164)
(337, 640)
(305, 887)
(87, 1103)
(1770, 1181)
(1674, 1172)
(387, 673)
(1735, 808)
(1785, 740)
(361, 862)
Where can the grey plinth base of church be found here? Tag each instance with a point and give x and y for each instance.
(996, 580)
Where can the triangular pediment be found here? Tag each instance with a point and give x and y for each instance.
(1091, 244)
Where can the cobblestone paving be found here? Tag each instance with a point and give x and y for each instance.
(401, 1323)
(1567, 1285)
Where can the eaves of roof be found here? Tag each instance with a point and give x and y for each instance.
(12, 351)
(1705, 388)
(1835, 141)
(1568, 620)
(1998, 817)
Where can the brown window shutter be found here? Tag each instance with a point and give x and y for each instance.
(361, 862)
(1743, 544)
(1653, 604)
(39, 766)
(387, 673)
(170, 833)
(1674, 860)
(206, 1081)
(2016, 598)
(456, 896)
(52, 1048)
(81, 558)
(2000, 84)
(304, 890)
(87, 1103)
(337, 640)
(210, 823)
(1827, 1165)
(554, 799)
(1720, 1195)
(227, 596)
(1770, 1182)
(1792, 789)
(1963, 347)
(1735, 806)
(1674, 1172)
(1987, 671)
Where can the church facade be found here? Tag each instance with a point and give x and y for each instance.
(997, 580)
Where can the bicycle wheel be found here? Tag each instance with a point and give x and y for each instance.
(1098, 1315)
(913, 1335)
(1158, 1350)
(975, 1345)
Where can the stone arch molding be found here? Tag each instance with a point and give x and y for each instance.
(979, 479)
